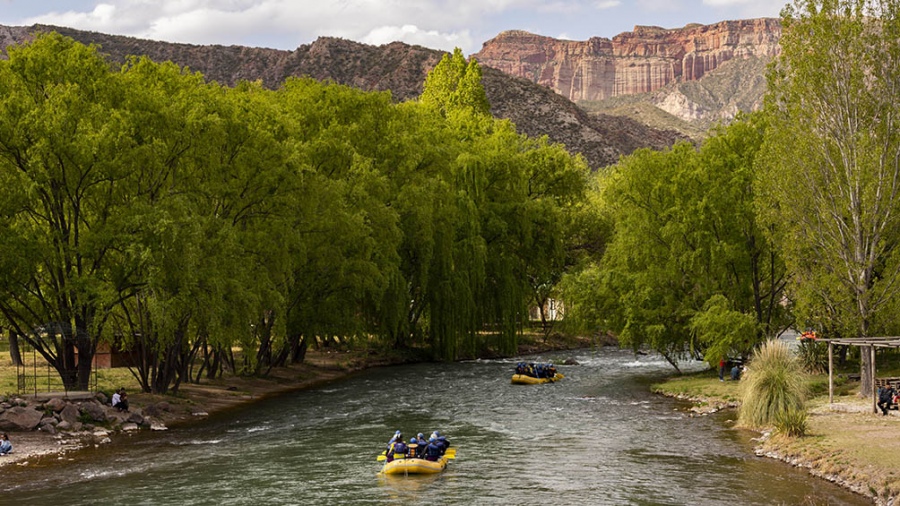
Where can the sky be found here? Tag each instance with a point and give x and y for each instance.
(437, 24)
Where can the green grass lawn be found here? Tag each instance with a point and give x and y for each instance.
(39, 377)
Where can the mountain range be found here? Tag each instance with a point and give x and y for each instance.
(602, 98)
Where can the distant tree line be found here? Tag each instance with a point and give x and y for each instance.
(148, 209)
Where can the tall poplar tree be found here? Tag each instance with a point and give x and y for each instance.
(832, 177)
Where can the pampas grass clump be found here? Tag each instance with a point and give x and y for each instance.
(792, 423)
(773, 386)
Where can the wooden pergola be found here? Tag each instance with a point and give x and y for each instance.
(873, 343)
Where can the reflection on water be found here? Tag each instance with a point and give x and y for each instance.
(596, 437)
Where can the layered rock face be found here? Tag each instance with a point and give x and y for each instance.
(640, 61)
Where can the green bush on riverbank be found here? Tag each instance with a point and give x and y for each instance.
(773, 390)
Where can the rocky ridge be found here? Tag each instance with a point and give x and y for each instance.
(639, 61)
(397, 67)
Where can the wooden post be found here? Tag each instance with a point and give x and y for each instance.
(874, 388)
(830, 372)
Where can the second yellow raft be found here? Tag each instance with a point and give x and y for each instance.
(523, 379)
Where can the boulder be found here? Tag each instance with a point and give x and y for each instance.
(20, 419)
(94, 410)
(56, 404)
(70, 414)
(135, 418)
(156, 410)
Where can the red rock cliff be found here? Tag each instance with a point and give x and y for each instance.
(632, 62)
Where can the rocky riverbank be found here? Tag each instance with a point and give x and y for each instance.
(52, 425)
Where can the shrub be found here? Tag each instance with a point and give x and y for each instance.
(791, 422)
(773, 384)
(813, 356)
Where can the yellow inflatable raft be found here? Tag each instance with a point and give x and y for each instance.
(415, 466)
(522, 379)
(406, 465)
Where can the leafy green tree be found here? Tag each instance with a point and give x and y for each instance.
(343, 236)
(67, 163)
(833, 163)
(454, 85)
(688, 267)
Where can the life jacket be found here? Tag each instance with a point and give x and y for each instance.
(396, 451)
(433, 451)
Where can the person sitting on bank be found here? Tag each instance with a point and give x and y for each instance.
(886, 398)
(120, 400)
(5, 445)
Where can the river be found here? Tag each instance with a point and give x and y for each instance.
(596, 437)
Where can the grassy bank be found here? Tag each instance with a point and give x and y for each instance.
(846, 442)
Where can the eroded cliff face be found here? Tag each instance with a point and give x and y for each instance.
(640, 61)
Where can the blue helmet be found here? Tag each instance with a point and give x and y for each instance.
(432, 439)
(420, 436)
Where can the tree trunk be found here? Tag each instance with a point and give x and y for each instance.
(14, 352)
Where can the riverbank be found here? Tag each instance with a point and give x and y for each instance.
(195, 402)
(846, 443)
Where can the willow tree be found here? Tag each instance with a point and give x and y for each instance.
(833, 162)
(342, 234)
(689, 268)
(511, 199)
(67, 163)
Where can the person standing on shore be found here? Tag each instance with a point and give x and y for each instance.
(5, 445)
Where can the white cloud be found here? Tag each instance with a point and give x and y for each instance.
(433, 23)
(412, 34)
(606, 4)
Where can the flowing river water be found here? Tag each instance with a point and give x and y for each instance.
(596, 437)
